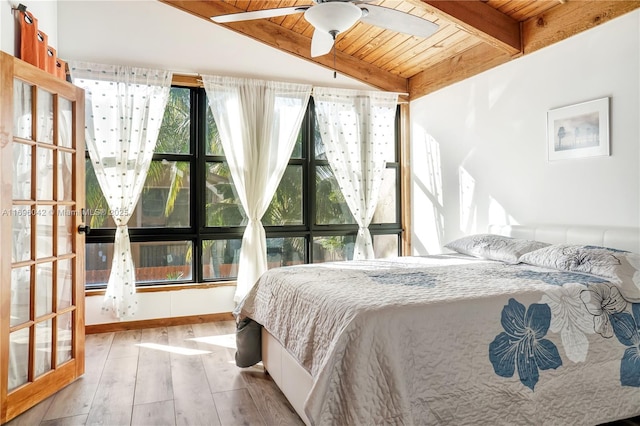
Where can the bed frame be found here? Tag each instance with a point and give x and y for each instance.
(295, 382)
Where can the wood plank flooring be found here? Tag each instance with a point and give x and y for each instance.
(181, 375)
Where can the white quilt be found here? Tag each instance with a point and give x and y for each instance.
(454, 340)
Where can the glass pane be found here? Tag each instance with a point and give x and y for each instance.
(334, 248)
(44, 125)
(385, 246)
(174, 134)
(22, 110)
(21, 233)
(163, 261)
(97, 208)
(21, 171)
(220, 258)
(165, 198)
(223, 207)
(318, 144)
(65, 229)
(44, 179)
(286, 205)
(44, 343)
(44, 231)
(65, 176)
(65, 280)
(44, 288)
(297, 148)
(214, 145)
(386, 208)
(65, 327)
(285, 251)
(20, 295)
(65, 122)
(98, 258)
(331, 208)
(18, 358)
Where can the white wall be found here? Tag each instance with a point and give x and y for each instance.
(479, 147)
(151, 34)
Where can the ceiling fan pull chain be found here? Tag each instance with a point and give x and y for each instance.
(334, 34)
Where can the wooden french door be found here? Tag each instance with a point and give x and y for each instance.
(41, 250)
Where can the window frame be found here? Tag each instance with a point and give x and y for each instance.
(197, 232)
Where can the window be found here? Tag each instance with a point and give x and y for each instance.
(188, 224)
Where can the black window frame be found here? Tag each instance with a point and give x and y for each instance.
(197, 232)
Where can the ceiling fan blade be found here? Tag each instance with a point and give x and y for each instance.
(321, 43)
(395, 20)
(258, 14)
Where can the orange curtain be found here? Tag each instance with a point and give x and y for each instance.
(35, 49)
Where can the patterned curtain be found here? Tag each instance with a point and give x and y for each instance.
(124, 110)
(355, 127)
(258, 122)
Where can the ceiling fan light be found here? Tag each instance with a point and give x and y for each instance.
(333, 16)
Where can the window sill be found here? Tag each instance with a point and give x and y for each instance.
(165, 287)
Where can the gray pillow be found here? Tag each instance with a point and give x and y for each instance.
(617, 266)
(494, 247)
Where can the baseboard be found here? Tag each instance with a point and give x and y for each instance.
(158, 322)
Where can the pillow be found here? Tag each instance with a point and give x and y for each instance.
(617, 266)
(494, 247)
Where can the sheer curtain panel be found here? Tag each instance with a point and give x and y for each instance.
(124, 110)
(258, 122)
(355, 127)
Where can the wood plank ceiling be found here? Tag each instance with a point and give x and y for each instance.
(473, 36)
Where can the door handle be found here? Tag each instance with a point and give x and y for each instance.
(84, 229)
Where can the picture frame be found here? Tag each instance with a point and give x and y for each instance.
(579, 130)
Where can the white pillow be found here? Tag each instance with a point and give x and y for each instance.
(494, 247)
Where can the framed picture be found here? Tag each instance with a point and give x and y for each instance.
(580, 130)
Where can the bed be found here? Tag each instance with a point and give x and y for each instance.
(542, 327)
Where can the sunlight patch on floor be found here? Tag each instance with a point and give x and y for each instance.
(173, 349)
(223, 340)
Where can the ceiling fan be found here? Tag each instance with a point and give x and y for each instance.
(332, 17)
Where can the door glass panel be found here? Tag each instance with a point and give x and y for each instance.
(20, 233)
(43, 347)
(65, 280)
(44, 179)
(64, 337)
(22, 110)
(44, 289)
(18, 358)
(65, 176)
(44, 231)
(44, 126)
(65, 121)
(20, 295)
(21, 171)
(65, 229)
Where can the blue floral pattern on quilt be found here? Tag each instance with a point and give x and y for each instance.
(559, 277)
(522, 344)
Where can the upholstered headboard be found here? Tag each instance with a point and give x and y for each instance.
(623, 238)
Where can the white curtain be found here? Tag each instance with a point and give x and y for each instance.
(356, 127)
(258, 122)
(124, 110)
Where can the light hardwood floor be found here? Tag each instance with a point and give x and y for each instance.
(181, 375)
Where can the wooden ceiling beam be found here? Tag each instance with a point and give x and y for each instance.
(478, 18)
(472, 61)
(570, 18)
(291, 42)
